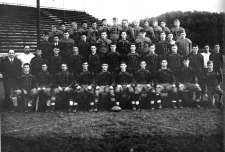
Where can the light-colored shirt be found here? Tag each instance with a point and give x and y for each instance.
(205, 58)
(25, 58)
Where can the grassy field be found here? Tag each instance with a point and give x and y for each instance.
(174, 130)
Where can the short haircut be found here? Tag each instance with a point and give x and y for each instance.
(26, 64)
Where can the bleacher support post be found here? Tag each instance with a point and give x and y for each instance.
(38, 23)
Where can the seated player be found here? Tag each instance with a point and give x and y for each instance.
(84, 91)
(166, 84)
(212, 80)
(188, 82)
(104, 86)
(143, 86)
(44, 84)
(124, 90)
(24, 97)
(63, 88)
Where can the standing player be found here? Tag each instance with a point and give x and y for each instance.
(133, 59)
(164, 27)
(126, 28)
(103, 44)
(141, 42)
(45, 46)
(66, 46)
(177, 29)
(206, 53)
(123, 46)
(212, 81)
(113, 59)
(93, 33)
(84, 46)
(114, 31)
(36, 62)
(162, 46)
(184, 45)
(55, 62)
(94, 61)
(149, 30)
(74, 33)
(157, 30)
(137, 28)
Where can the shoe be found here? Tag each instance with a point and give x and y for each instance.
(116, 108)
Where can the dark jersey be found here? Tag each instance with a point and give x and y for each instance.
(124, 78)
(165, 76)
(35, 65)
(152, 61)
(104, 78)
(54, 64)
(162, 49)
(133, 60)
(186, 74)
(113, 59)
(211, 79)
(196, 62)
(85, 78)
(44, 78)
(27, 82)
(174, 62)
(75, 64)
(63, 79)
(142, 76)
(217, 59)
(94, 63)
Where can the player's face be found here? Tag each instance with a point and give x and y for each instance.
(146, 24)
(124, 23)
(11, 54)
(143, 65)
(45, 37)
(123, 67)
(136, 23)
(66, 35)
(163, 36)
(210, 66)
(124, 35)
(164, 63)
(115, 21)
(39, 52)
(206, 48)
(64, 67)
(104, 22)
(54, 28)
(174, 49)
(105, 67)
(26, 68)
(183, 35)
(170, 36)
(152, 48)
(93, 49)
(217, 48)
(63, 27)
(103, 35)
(155, 23)
(163, 24)
(132, 48)
(83, 37)
(113, 48)
(84, 25)
(56, 51)
(176, 23)
(26, 49)
(44, 67)
(195, 50)
(56, 39)
(94, 25)
(74, 25)
(85, 66)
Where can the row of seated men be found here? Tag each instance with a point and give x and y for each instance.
(122, 90)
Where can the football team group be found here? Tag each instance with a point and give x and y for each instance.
(121, 66)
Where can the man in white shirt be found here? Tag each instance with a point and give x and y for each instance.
(26, 56)
(206, 55)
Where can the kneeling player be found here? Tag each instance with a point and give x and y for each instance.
(143, 86)
(124, 90)
(104, 88)
(25, 95)
(165, 85)
(85, 90)
(63, 88)
(212, 80)
(188, 82)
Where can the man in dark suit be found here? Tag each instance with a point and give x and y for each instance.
(11, 71)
